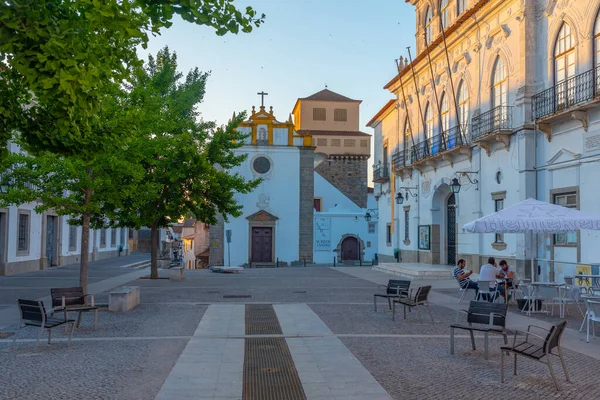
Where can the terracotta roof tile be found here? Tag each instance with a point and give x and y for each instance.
(332, 133)
(328, 95)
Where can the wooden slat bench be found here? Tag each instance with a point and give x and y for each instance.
(72, 299)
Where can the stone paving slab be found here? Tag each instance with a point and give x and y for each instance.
(210, 367)
(327, 369)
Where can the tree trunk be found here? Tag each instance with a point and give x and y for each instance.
(85, 251)
(154, 252)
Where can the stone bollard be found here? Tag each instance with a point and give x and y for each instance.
(124, 298)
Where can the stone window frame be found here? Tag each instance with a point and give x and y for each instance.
(372, 227)
(388, 234)
(364, 143)
(72, 238)
(407, 225)
(24, 251)
(498, 243)
(321, 141)
(336, 142)
(349, 142)
(113, 237)
(570, 190)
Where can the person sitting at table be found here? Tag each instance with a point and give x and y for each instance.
(462, 276)
(507, 273)
(488, 272)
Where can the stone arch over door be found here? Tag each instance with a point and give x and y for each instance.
(439, 222)
(361, 246)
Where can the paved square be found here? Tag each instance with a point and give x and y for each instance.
(186, 341)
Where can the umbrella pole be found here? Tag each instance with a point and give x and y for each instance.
(531, 248)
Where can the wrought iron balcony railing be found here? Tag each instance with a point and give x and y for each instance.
(398, 160)
(566, 94)
(493, 121)
(380, 173)
(438, 144)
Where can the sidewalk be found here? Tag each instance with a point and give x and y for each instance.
(572, 338)
(102, 275)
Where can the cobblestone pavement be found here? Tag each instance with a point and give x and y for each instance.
(130, 355)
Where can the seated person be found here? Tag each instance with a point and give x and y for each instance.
(508, 273)
(488, 273)
(462, 276)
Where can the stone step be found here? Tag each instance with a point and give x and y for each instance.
(416, 271)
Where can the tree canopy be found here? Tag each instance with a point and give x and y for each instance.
(186, 160)
(65, 53)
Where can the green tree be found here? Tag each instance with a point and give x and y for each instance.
(66, 52)
(80, 187)
(186, 161)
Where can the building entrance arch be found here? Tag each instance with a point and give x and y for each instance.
(443, 229)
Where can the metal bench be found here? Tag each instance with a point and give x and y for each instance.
(489, 317)
(33, 313)
(415, 298)
(395, 288)
(72, 299)
(536, 350)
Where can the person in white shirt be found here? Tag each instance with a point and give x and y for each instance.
(488, 271)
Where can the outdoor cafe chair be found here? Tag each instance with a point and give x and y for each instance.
(565, 297)
(537, 347)
(488, 290)
(593, 315)
(463, 288)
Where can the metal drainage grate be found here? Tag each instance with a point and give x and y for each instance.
(269, 371)
(237, 296)
(262, 320)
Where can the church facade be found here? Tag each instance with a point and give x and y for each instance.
(295, 215)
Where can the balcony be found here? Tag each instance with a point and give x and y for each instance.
(568, 99)
(493, 126)
(381, 174)
(443, 146)
(401, 163)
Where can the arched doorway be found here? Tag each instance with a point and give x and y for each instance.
(350, 249)
(451, 229)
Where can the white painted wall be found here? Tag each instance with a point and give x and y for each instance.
(281, 188)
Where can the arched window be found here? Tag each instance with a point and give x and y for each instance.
(444, 113)
(407, 133)
(463, 107)
(444, 10)
(597, 43)
(428, 121)
(461, 5)
(499, 84)
(564, 54)
(428, 25)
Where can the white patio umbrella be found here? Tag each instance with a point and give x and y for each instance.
(534, 216)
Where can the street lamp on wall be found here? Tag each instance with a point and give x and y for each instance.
(407, 192)
(371, 213)
(455, 185)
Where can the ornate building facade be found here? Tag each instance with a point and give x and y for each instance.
(503, 98)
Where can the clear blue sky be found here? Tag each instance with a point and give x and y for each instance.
(350, 45)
